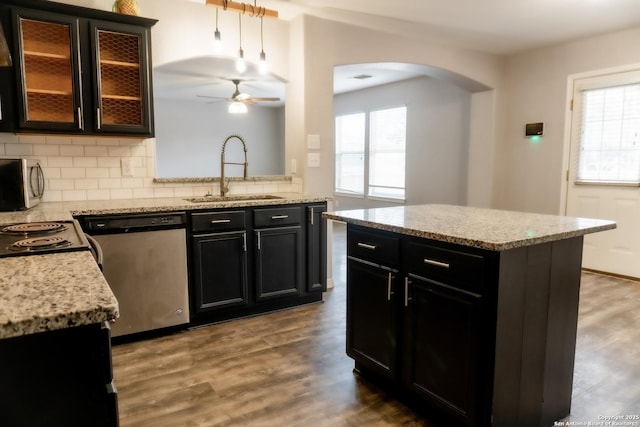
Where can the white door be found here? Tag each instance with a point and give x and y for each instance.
(604, 170)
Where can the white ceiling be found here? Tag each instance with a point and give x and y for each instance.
(495, 26)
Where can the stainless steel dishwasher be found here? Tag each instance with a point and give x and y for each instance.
(145, 263)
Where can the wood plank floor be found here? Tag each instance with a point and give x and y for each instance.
(289, 368)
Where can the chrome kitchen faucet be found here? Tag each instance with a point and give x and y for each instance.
(224, 188)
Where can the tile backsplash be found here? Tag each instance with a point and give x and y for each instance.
(95, 168)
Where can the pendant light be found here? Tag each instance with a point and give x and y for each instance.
(217, 42)
(263, 67)
(241, 65)
(5, 55)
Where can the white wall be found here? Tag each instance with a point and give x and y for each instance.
(327, 44)
(530, 176)
(437, 138)
(189, 138)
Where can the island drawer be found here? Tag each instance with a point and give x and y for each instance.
(459, 269)
(371, 246)
(212, 222)
(274, 217)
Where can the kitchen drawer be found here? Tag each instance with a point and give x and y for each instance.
(211, 222)
(377, 247)
(274, 217)
(459, 269)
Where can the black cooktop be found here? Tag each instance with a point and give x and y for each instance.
(35, 238)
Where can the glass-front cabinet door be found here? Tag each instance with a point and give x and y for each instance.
(122, 80)
(50, 93)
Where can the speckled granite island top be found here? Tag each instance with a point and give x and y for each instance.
(491, 229)
(46, 292)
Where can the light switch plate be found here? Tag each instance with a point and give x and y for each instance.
(313, 142)
(313, 160)
(127, 167)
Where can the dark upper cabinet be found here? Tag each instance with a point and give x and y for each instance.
(80, 70)
(7, 86)
(121, 78)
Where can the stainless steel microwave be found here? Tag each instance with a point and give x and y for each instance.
(21, 183)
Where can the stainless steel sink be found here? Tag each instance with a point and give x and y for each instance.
(239, 197)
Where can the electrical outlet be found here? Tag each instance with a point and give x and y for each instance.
(313, 160)
(126, 166)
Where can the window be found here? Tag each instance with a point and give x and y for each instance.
(370, 153)
(609, 142)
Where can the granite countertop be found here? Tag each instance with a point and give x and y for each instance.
(491, 229)
(66, 289)
(54, 291)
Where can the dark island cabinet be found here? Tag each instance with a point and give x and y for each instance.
(252, 260)
(316, 251)
(469, 336)
(79, 70)
(60, 378)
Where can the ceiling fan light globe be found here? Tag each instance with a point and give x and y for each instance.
(238, 108)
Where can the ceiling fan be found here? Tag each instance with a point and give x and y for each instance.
(240, 96)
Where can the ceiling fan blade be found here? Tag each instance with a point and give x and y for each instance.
(213, 97)
(265, 99)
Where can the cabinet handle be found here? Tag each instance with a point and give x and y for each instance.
(244, 241)
(279, 216)
(0, 107)
(99, 118)
(406, 291)
(80, 120)
(310, 209)
(258, 240)
(389, 293)
(436, 263)
(220, 221)
(366, 246)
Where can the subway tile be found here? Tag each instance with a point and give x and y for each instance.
(163, 192)
(32, 139)
(8, 138)
(72, 173)
(46, 150)
(97, 172)
(138, 151)
(58, 140)
(18, 149)
(60, 162)
(52, 195)
(2, 153)
(96, 150)
(107, 141)
(108, 162)
(61, 184)
(98, 194)
(142, 193)
(119, 151)
(132, 182)
(73, 195)
(109, 183)
(121, 193)
(183, 192)
(72, 150)
(115, 172)
(51, 173)
(86, 184)
(83, 140)
(85, 162)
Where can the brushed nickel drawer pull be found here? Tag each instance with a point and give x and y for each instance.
(389, 293)
(280, 217)
(366, 246)
(436, 263)
(220, 221)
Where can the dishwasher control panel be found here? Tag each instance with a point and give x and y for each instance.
(126, 223)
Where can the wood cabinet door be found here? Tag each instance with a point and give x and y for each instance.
(441, 333)
(278, 262)
(220, 271)
(122, 78)
(48, 71)
(371, 317)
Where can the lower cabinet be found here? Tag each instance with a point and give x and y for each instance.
(252, 260)
(412, 331)
(467, 336)
(58, 378)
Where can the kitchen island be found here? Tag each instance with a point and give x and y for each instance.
(468, 314)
